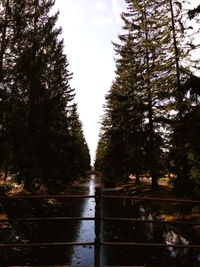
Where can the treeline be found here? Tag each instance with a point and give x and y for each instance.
(151, 123)
(41, 136)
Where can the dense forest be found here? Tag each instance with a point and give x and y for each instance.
(41, 136)
(151, 121)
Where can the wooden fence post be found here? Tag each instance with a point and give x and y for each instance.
(97, 248)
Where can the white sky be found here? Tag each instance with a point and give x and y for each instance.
(89, 27)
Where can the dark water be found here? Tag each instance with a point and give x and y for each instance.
(83, 231)
(85, 255)
(49, 231)
(143, 232)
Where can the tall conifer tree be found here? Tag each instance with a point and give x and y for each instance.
(159, 52)
(40, 97)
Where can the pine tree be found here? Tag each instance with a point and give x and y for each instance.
(40, 97)
(79, 150)
(183, 45)
(4, 108)
(125, 109)
(158, 70)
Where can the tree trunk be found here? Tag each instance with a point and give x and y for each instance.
(180, 94)
(5, 175)
(150, 109)
(154, 181)
(137, 180)
(3, 40)
(182, 163)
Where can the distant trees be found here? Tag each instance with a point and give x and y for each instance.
(38, 116)
(147, 103)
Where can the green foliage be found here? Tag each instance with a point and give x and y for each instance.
(144, 128)
(38, 133)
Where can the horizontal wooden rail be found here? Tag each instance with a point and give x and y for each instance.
(52, 244)
(48, 219)
(148, 221)
(140, 198)
(148, 245)
(79, 266)
(46, 197)
(60, 266)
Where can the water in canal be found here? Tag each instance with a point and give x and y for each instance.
(83, 231)
(84, 255)
(131, 232)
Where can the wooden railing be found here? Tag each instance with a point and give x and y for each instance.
(98, 219)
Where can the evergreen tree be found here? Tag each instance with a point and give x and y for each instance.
(154, 56)
(5, 152)
(183, 45)
(123, 125)
(40, 97)
(79, 150)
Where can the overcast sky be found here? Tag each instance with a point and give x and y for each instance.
(89, 27)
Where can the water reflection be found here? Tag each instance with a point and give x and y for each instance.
(144, 232)
(84, 255)
(171, 238)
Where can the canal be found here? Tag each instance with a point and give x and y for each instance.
(141, 232)
(83, 231)
(84, 256)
